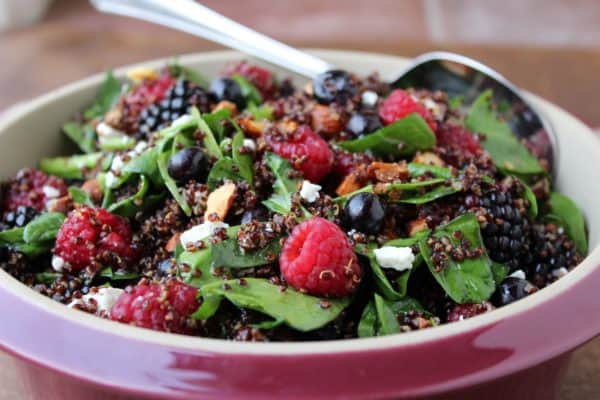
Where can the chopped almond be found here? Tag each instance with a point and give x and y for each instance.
(353, 181)
(62, 205)
(416, 226)
(113, 117)
(288, 126)
(387, 172)
(172, 243)
(220, 200)
(139, 74)
(251, 127)
(227, 105)
(429, 158)
(93, 189)
(325, 120)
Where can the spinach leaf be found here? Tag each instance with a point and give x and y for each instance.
(210, 305)
(146, 164)
(367, 327)
(530, 197)
(505, 149)
(244, 161)
(189, 74)
(467, 281)
(222, 170)
(260, 113)
(565, 213)
(201, 272)
(405, 186)
(117, 143)
(249, 91)
(107, 97)
(162, 161)
(83, 135)
(140, 201)
(43, 228)
(297, 310)
(401, 138)
(46, 278)
(380, 316)
(210, 143)
(118, 275)
(229, 254)
(417, 170)
(284, 186)
(431, 195)
(70, 167)
(79, 196)
(12, 236)
(500, 271)
(215, 122)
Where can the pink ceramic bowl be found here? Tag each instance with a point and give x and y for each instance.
(515, 352)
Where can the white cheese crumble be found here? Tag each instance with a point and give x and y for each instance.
(50, 192)
(398, 258)
(433, 107)
(200, 232)
(58, 263)
(184, 119)
(106, 132)
(117, 164)
(310, 191)
(369, 98)
(104, 299)
(250, 144)
(110, 180)
(559, 273)
(140, 147)
(518, 274)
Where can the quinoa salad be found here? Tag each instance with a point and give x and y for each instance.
(251, 209)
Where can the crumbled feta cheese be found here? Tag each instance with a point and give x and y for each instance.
(58, 263)
(50, 192)
(518, 274)
(140, 147)
(117, 164)
(310, 191)
(106, 131)
(398, 258)
(250, 144)
(110, 179)
(200, 232)
(104, 299)
(369, 98)
(433, 107)
(560, 272)
(184, 119)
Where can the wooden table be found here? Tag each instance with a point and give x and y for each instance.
(75, 42)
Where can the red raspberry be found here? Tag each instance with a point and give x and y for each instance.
(32, 188)
(345, 162)
(145, 93)
(456, 144)
(305, 150)
(260, 77)
(399, 104)
(317, 258)
(93, 236)
(162, 307)
(464, 311)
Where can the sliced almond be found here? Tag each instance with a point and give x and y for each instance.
(325, 120)
(387, 172)
(172, 243)
(416, 226)
(93, 189)
(139, 74)
(351, 183)
(227, 105)
(429, 158)
(220, 200)
(251, 127)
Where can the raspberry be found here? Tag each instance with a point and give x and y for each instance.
(457, 145)
(345, 162)
(317, 258)
(306, 151)
(260, 77)
(399, 104)
(32, 188)
(159, 306)
(94, 237)
(464, 311)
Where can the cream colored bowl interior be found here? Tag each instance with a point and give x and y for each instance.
(32, 130)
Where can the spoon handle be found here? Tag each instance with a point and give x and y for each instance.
(192, 17)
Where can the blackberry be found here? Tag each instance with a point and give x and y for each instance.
(511, 290)
(177, 101)
(551, 250)
(506, 231)
(20, 217)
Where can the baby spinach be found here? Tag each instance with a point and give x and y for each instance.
(72, 167)
(117, 143)
(530, 197)
(565, 213)
(284, 186)
(229, 254)
(210, 143)
(244, 161)
(506, 151)
(47, 278)
(79, 196)
(401, 138)
(297, 310)
(209, 306)
(107, 96)
(215, 121)
(118, 275)
(145, 164)
(249, 91)
(417, 169)
(163, 161)
(201, 272)
(43, 228)
(260, 113)
(224, 169)
(83, 135)
(367, 326)
(140, 201)
(470, 280)
(500, 271)
(380, 316)
(431, 195)
(189, 74)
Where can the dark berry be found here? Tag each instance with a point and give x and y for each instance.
(166, 267)
(189, 163)
(229, 90)
(260, 77)
(4, 254)
(176, 102)
(365, 213)
(361, 124)
(20, 217)
(255, 214)
(511, 290)
(334, 86)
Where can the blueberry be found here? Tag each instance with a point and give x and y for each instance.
(510, 290)
(335, 85)
(189, 163)
(365, 213)
(361, 124)
(228, 89)
(258, 214)
(166, 267)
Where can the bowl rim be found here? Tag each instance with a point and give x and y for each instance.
(220, 346)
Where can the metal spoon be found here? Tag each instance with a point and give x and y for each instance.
(452, 73)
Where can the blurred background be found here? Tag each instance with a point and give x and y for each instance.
(550, 47)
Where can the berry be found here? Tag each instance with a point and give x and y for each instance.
(346, 162)
(361, 124)
(456, 145)
(511, 290)
(334, 86)
(91, 237)
(229, 90)
(365, 213)
(306, 151)
(189, 163)
(260, 77)
(20, 217)
(176, 102)
(163, 307)
(464, 311)
(32, 188)
(399, 104)
(505, 233)
(317, 258)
